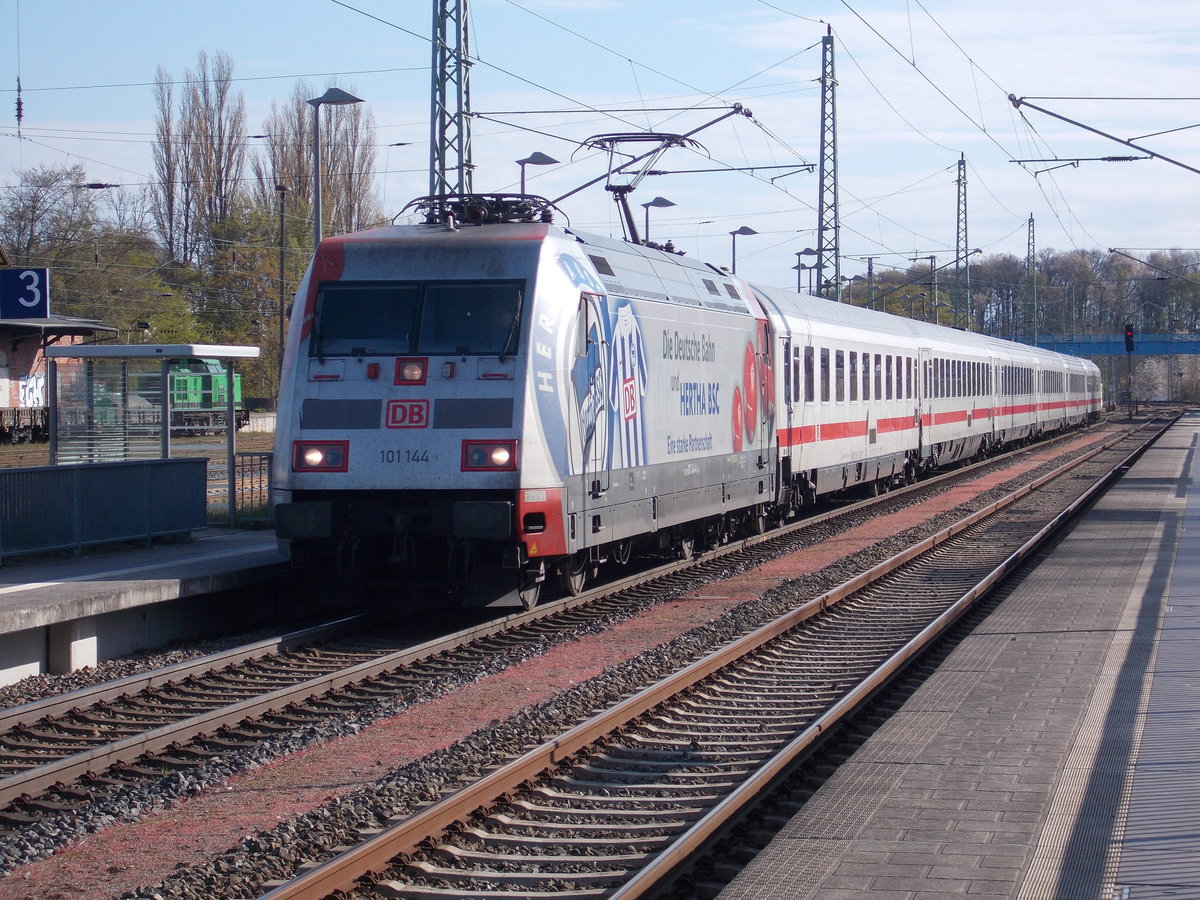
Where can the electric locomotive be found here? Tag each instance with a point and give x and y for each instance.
(514, 401)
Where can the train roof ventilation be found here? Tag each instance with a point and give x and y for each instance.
(454, 210)
(601, 264)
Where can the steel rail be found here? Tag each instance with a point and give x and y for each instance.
(29, 713)
(36, 780)
(707, 829)
(343, 871)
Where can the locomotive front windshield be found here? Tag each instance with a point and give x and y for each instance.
(464, 318)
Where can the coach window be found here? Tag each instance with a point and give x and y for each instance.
(887, 375)
(878, 376)
(796, 373)
(908, 377)
(853, 375)
(866, 376)
(839, 375)
(824, 374)
(809, 372)
(787, 377)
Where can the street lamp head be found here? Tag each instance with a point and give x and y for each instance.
(658, 203)
(807, 251)
(537, 159)
(335, 97)
(534, 159)
(745, 229)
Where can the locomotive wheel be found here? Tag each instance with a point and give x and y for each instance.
(755, 522)
(621, 552)
(685, 547)
(529, 594)
(716, 533)
(712, 535)
(463, 568)
(573, 573)
(348, 567)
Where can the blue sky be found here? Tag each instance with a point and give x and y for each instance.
(919, 83)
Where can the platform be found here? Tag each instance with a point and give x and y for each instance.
(1056, 752)
(60, 614)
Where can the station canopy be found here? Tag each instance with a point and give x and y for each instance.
(112, 402)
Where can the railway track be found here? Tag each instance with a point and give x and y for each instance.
(613, 806)
(60, 755)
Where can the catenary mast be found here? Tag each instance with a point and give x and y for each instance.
(450, 164)
(828, 252)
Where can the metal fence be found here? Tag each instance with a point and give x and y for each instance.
(252, 484)
(70, 507)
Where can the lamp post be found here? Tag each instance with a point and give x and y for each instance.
(850, 287)
(534, 159)
(744, 230)
(282, 191)
(658, 203)
(332, 97)
(801, 268)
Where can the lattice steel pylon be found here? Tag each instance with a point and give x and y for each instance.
(828, 253)
(450, 164)
(962, 264)
(1029, 326)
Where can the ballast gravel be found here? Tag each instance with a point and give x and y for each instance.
(225, 829)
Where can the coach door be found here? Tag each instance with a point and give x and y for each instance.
(923, 410)
(766, 396)
(595, 413)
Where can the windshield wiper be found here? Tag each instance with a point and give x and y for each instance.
(512, 329)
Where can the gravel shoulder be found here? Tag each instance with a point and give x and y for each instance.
(125, 856)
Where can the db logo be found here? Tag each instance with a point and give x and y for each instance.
(629, 407)
(408, 414)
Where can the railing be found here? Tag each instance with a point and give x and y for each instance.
(70, 507)
(251, 485)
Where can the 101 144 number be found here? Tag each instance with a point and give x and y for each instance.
(393, 457)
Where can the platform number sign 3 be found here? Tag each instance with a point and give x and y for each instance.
(24, 293)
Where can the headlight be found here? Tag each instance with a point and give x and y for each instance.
(489, 456)
(320, 456)
(411, 370)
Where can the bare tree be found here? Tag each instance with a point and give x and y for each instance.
(169, 211)
(349, 199)
(350, 173)
(215, 122)
(48, 215)
(200, 158)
